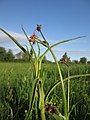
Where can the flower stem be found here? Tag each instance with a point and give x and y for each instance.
(61, 78)
(68, 88)
(63, 88)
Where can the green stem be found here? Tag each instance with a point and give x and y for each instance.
(60, 74)
(62, 82)
(68, 88)
(41, 100)
(43, 115)
(32, 100)
(61, 78)
(63, 41)
(59, 82)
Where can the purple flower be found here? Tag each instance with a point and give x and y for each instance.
(33, 38)
(39, 27)
(51, 108)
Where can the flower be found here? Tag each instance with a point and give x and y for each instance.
(39, 27)
(33, 38)
(51, 108)
(65, 61)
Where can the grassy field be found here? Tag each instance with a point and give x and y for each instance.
(16, 87)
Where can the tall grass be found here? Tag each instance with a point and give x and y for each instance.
(37, 101)
(16, 87)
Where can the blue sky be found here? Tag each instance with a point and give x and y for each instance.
(60, 19)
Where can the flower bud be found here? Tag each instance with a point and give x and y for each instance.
(39, 27)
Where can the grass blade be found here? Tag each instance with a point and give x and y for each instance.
(59, 82)
(63, 41)
(28, 40)
(14, 40)
(58, 43)
(32, 100)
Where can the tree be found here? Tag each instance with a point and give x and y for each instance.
(9, 55)
(88, 62)
(2, 54)
(83, 60)
(75, 61)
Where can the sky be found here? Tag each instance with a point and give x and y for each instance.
(60, 20)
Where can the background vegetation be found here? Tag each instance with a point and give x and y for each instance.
(44, 90)
(8, 56)
(16, 86)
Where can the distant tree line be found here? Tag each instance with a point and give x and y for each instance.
(8, 56)
(66, 59)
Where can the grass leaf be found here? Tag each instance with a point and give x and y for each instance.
(58, 43)
(59, 82)
(13, 39)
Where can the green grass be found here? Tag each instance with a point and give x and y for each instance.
(16, 87)
(34, 89)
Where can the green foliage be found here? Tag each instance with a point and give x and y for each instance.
(37, 99)
(6, 55)
(83, 60)
(2, 54)
(75, 61)
(9, 55)
(16, 87)
(44, 60)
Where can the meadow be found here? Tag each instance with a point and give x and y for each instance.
(43, 91)
(16, 89)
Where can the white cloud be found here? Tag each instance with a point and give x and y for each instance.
(73, 51)
(18, 36)
(73, 54)
(7, 43)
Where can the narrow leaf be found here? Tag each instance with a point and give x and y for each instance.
(63, 41)
(38, 50)
(14, 40)
(59, 82)
(73, 107)
(28, 40)
(59, 117)
(32, 99)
